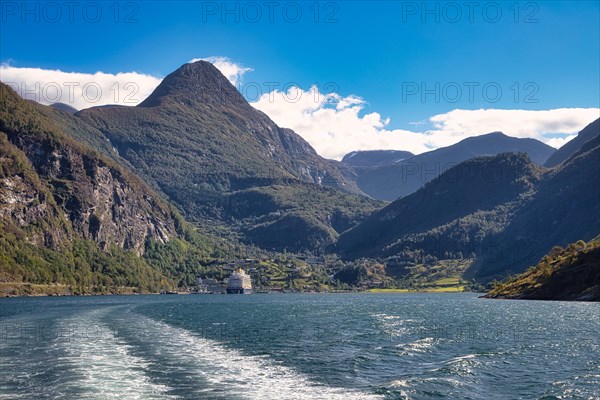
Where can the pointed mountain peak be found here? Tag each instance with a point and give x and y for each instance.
(192, 83)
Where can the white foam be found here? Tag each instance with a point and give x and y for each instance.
(243, 376)
(461, 358)
(395, 325)
(108, 368)
(416, 347)
(400, 383)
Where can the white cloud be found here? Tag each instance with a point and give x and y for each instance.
(518, 123)
(83, 90)
(79, 90)
(232, 71)
(335, 125)
(558, 142)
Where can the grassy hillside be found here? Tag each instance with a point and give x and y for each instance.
(294, 217)
(572, 273)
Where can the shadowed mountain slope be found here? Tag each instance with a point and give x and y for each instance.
(457, 201)
(572, 146)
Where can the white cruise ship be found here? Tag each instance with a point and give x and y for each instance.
(239, 283)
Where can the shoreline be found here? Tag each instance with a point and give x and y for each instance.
(131, 293)
(24, 289)
(500, 297)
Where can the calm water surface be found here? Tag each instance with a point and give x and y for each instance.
(298, 346)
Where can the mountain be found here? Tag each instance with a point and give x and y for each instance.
(403, 178)
(198, 112)
(572, 146)
(71, 216)
(198, 141)
(503, 211)
(449, 214)
(572, 273)
(375, 158)
(564, 209)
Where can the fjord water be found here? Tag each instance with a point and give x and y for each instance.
(298, 346)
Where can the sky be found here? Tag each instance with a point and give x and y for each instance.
(345, 75)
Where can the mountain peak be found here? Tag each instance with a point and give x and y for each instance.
(496, 133)
(498, 142)
(487, 136)
(197, 82)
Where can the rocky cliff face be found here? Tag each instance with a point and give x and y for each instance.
(100, 204)
(25, 201)
(51, 182)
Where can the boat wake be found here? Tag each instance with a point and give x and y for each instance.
(115, 355)
(221, 371)
(106, 365)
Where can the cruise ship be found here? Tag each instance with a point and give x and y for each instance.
(239, 283)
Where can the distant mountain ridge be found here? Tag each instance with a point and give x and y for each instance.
(390, 182)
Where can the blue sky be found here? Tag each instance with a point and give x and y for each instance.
(384, 52)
